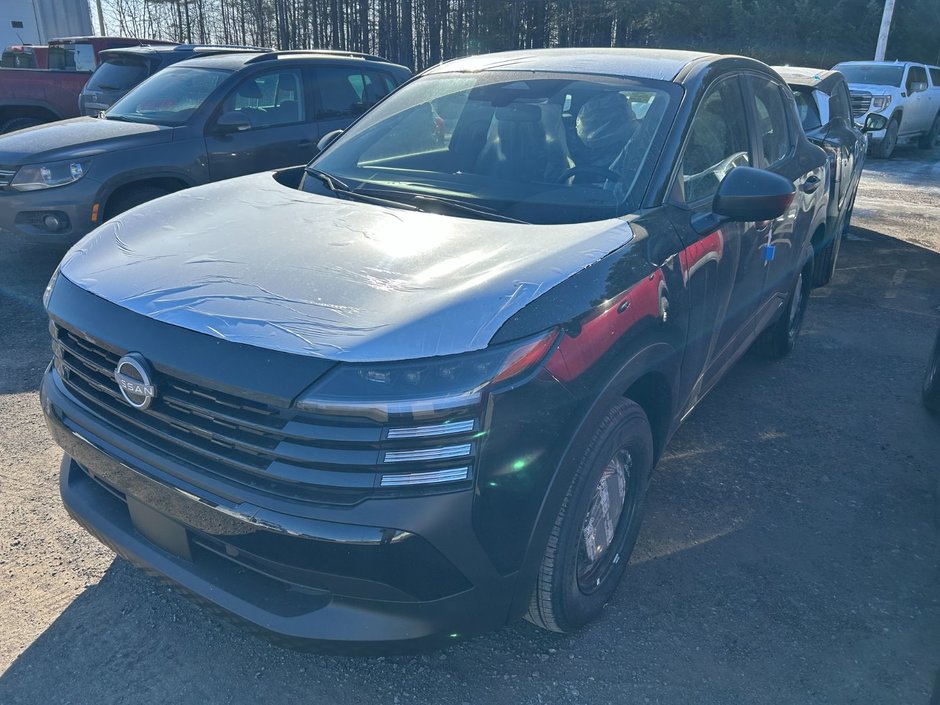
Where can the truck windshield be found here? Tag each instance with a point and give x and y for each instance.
(537, 147)
(169, 97)
(118, 74)
(73, 56)
(872, 74)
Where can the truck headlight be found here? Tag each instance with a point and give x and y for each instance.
(33, 177)
(423, 389)
(880, 102)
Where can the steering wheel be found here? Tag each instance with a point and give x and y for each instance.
(591, 170)
(722, 168)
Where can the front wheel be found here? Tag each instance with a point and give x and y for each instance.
(596, 528)
(885, 148)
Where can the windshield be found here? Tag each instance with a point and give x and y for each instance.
(118, 75)
(72, 57)
(536, 147)
(168, 97)
(872, 74)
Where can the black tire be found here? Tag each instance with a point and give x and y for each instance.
(930, 392)
(778, 339)
(577, 578)
(825, 265)
(929, 138)
(20, 124)
(129, 198)
(885, 148)
(847, 223)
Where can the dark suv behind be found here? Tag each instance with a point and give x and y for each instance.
(122, 69)
(201, 120)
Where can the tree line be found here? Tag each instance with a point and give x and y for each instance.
(421, 33)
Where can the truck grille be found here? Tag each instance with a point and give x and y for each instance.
(270, 449)
(861, 103)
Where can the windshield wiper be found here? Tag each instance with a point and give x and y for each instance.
(342, 190)
(460, 207)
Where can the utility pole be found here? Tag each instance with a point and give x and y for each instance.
(883, 32)
(101, 28)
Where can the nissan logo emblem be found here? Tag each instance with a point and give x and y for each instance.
(134, 379)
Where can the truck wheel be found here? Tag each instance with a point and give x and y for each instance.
(596, 528)
(929, 138)
(780, 337)
(20, 124)
(885, 148)
(931, 389)
(130, 198)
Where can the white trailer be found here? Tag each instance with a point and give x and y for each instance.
(38, 21)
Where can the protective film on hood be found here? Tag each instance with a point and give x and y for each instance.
(254, 262)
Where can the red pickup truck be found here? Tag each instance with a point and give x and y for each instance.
(33, 96)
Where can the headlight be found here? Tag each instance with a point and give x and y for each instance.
(47, 294)
(38, 176)
(424, 388)
(880, 102)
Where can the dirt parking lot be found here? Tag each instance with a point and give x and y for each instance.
(789, 553)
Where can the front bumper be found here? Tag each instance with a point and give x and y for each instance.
(376, 581)
(23, 212)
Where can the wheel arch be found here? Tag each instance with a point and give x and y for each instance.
(170, 181)
(649, 378)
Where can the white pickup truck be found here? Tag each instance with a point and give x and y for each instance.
(907, 94)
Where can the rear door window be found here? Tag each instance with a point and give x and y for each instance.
(840, 105)
(935, 77)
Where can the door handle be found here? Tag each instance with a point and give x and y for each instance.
(811, 184)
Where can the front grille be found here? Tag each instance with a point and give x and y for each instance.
(6, 176)
(861, 103)
(270, 449)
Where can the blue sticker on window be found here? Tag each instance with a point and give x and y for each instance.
(769, 253)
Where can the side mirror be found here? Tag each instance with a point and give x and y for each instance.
(232, 121)
(918, 86)
(747, 194)
(328, 139)
(874, 122)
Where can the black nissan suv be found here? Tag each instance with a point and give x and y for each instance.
(200, 120)
(416, 389)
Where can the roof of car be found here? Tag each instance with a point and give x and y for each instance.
(195, 49)
(236, 60)
(660, 64)
(804, 76)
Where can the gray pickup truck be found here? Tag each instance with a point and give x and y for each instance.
(906, 93)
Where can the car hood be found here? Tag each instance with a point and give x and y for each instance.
(874, 88)
(79, 137)
(254, 262)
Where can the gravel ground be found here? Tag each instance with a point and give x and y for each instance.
(788, 555)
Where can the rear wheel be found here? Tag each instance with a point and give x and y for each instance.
(132, 197)
(931, 388)
(885, 148)
(825, 265)
(929, 138)
(20, 124)
(778, 340)
(596, 528)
